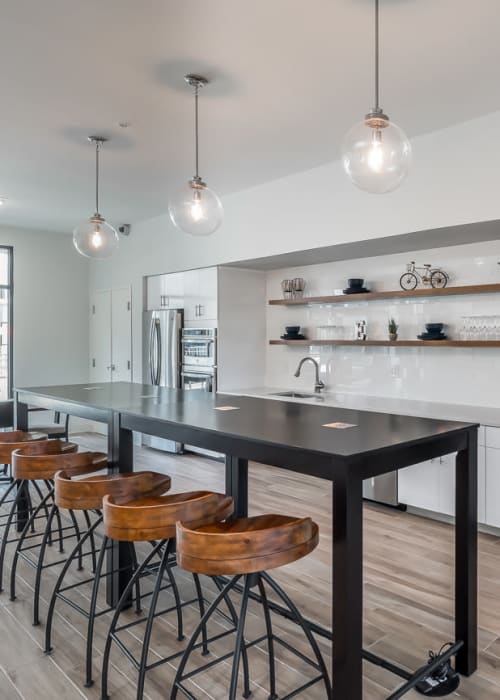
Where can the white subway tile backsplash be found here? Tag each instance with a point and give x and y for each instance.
(455, 375)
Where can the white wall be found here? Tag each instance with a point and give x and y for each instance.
(453, 181)
(455, 375)
(51, 315)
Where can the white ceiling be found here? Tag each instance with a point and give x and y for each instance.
(289, 77)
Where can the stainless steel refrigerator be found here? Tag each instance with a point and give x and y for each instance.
(161, 366)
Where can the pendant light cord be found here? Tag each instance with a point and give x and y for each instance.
(97, 146)
(377, 55)
(196, 90)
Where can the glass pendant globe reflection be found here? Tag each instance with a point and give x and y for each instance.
(95, 238)
(196, 209)
(376, 154)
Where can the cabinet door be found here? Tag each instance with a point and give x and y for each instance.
(100, 337)
(418, 485)
(447, 480)
(431, 485)
(121, 335)
(481, 483)
(172, 296)
(492, 486)
(200, 295)
(191, 295)
(154, 292)
(207, 293)
(447, 475)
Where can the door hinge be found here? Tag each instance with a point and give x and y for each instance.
(93, 362)
(128, 306)
(93, 308)
(128, 364)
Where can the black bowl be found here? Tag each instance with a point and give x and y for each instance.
(291, 330)
(355, 282)
(434, 327)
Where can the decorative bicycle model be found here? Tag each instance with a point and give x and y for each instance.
(428, 276)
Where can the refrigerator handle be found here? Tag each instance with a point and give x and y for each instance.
(158, 354)
(151, 355)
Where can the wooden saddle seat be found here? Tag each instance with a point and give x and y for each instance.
(11, 440)
(41, 460)
(88, 493)
(155, 518)
(246, 545)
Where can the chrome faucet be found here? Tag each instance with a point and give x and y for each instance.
(318, 384)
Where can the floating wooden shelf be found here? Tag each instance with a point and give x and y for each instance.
(396, 294)
(395, 343)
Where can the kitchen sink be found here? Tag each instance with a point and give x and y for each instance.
(296, 395)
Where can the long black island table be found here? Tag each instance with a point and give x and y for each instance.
(339, 445)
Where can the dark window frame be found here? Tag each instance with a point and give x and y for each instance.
(10, 289)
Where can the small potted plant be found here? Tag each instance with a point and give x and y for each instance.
(393, 329)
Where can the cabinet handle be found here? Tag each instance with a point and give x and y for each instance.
(164, 300)
(201, 312)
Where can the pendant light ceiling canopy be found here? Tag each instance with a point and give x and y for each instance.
(94, 237)
(195, 208)
(376, 153)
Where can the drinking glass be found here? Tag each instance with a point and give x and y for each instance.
(298, 286)
(287, 288)
(464, 330)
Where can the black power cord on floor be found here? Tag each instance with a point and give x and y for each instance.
(442, 681)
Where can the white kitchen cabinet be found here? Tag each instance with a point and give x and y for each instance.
(153, 292)
(418, 485)
(431, 485)
(492, 437)
(447, 480)
(165, 291)
(200, 295)
(492, 455)
(481, 483)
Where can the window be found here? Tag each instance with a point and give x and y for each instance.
(6, 322)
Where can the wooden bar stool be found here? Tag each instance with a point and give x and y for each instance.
(154, 519)
(86, 494)
(41, 462)
(245, 549)
(10, 440)
(16, 497)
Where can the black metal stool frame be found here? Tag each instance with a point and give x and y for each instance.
(250, 581)
(23, 551)
(165, 549)
(29, 515)
(59, 592)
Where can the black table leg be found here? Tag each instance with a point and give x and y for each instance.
(237, 484)
(466, 556)
(121, 456)
(21, 423)
(347, 581)
(20, 414)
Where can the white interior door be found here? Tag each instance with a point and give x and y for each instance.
(100, 336)
(121, 335)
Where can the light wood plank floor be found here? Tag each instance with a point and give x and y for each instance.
(408, 602)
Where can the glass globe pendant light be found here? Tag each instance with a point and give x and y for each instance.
(195, 208)
(94, 237)
(376, 153)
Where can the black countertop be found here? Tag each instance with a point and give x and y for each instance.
(280, 423)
